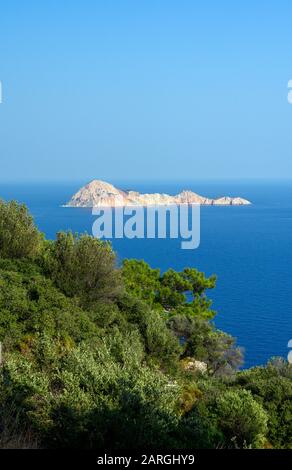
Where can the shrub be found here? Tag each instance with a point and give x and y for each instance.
(202, 341)
(241, 419)
(84, 267)
(271, 386)
(19, 237)
(160, 343)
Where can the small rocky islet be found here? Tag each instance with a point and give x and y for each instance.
(99, 193)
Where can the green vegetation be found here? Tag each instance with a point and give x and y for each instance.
(94, 355)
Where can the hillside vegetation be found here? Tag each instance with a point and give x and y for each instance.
(95, 355)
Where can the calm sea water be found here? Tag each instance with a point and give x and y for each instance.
(249, 248)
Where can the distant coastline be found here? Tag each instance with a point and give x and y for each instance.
(99, 193)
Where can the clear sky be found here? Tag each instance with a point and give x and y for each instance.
(145, 89)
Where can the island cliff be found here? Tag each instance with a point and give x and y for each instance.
(102, 194)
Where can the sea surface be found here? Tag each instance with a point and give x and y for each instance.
(248, 247)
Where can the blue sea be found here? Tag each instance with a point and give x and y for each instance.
(248, 247)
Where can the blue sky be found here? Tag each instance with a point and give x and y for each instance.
(161, 90)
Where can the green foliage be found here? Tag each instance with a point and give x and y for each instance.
(271, 386)
(84, 267)
(19, 237)
(174, 292)
(242, 420)
(94, 356)
(92, 399)
(140, 280)
(159, 342)
(30, 304)
(201, 340)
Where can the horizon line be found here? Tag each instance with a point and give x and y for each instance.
(118, 180)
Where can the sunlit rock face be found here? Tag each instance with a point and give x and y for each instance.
(102, 194)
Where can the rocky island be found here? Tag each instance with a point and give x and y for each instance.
(99, 193)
